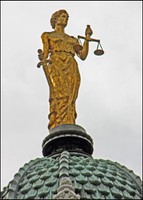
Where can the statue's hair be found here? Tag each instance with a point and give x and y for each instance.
(55, 16)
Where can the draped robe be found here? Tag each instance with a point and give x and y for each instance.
(63, 78)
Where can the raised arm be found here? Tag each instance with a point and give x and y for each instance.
(84, 52)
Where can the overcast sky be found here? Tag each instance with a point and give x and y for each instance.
(109, 100)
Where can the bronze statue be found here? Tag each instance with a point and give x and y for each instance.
(61, 68)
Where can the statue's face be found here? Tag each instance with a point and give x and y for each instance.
(62, 20)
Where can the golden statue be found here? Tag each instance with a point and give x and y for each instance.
(61, 68)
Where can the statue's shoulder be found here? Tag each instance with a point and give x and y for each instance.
(46, 35)
(71, 37)
(74, 39)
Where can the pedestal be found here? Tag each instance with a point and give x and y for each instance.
(70, 137)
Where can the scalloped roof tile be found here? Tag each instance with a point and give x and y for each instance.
(91, 178)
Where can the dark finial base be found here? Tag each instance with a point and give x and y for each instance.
(70, 137)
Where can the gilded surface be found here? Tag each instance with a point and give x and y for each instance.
(61, 69)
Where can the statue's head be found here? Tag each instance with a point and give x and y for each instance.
(56, 15)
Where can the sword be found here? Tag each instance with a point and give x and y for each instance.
(42, 62)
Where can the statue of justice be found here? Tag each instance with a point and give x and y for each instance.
(61, 69)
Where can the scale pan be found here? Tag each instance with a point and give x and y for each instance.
(98, 52)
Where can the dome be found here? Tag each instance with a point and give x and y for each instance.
(76, 175)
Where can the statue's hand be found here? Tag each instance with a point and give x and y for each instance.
(88, 32)
(43, 62)
(40, 55)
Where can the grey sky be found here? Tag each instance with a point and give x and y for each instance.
(109, 100)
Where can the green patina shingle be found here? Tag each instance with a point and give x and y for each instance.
(91, 179)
